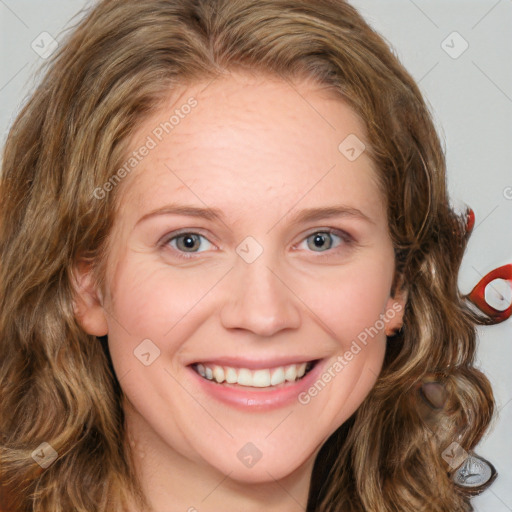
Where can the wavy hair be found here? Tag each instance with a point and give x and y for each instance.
(57, 384)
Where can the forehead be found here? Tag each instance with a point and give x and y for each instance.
(248, 136)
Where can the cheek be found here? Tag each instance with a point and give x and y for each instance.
(351, 301)
(151, 301)
(352, 312)
(150, 298)
(362, 363)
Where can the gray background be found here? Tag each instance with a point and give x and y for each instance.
(471, 98)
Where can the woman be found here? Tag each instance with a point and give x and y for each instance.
(170, 184)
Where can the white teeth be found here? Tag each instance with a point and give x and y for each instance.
(278, 376)
(244, 377)
(231, 376)
(301, 370)
(218, 374)
(262, 378)
(290, 373)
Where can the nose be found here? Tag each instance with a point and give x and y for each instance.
(260, 300)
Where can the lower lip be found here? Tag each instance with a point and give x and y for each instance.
(263, 399)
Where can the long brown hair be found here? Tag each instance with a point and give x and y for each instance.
(56, 382)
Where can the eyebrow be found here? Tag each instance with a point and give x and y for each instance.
(215, 214)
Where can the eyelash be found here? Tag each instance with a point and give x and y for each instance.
(346, 240)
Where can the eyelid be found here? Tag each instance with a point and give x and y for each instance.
(335, 231)
(184, 231)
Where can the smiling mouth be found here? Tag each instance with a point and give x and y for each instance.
(261, 378)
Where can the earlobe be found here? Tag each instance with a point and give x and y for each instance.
(88, 301)
(395, 310)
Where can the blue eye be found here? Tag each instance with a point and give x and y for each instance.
(186, 243)
(322, 241)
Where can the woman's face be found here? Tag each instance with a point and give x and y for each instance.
(252, 240)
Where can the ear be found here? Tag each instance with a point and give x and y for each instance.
(88, 300)
(395, 309)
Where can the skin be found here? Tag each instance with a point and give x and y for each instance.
(261, 151)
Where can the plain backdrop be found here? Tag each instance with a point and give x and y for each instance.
(460, 52)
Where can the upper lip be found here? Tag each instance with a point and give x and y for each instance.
(255, 363)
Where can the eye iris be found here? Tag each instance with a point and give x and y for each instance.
(319, 241)
(188, 241)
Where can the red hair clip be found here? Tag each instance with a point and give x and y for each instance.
(470, 219)
(493, 294)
